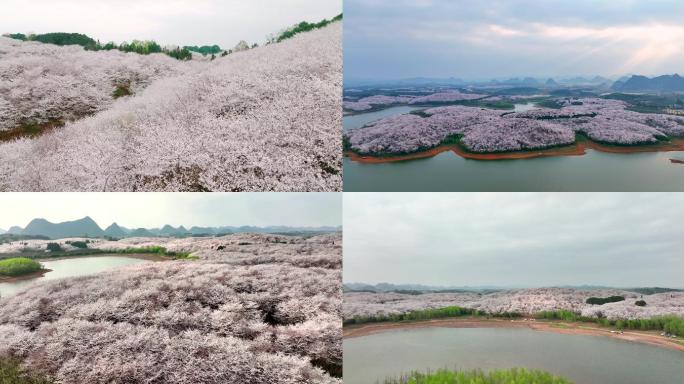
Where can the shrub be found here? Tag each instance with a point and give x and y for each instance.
(640, 303)
(504, 376)
(19, 266)
(54, 247)
(604, 300)
(79, 244)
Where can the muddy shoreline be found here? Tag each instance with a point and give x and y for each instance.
(569, 328)
(28, 276)
(577, 149)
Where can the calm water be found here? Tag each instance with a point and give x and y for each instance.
(595, 171)
(80, 266)
(582, 359)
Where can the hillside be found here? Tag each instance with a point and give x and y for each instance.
(237, 315)
(266, 119)
(665, 83)
(82, 227)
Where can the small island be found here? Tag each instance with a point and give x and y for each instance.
(20, 268)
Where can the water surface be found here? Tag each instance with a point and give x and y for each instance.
(595, 171)
(582, 359)
(62, 268)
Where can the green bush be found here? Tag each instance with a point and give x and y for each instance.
(54, 247)
(503, 376)
(604, 300)
(19, 266)
(79, 244)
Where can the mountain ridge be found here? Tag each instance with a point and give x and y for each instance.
(87, 227)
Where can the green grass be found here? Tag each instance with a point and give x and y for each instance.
(19, 266)
(503, 376)
(121, 91)
(161, 251)
(11, 373)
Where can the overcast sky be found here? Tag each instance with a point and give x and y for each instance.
(390, 39)
(510, 239)
(150, 210)
(179, 22)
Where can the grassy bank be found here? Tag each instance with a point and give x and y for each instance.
(11, 373)
(152, 250)
(19, 266)
(504, 376)
(670, 324)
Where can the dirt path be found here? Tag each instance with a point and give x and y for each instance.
(646, 337)
(577, 149)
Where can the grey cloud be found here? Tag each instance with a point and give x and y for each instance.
(514, 239)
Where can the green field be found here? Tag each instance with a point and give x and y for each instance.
(505, 376)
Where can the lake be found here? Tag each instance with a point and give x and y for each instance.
(61, 268)
(582, 359)
(595, 171)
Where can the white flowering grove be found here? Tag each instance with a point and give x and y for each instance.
(45, 82)
(244, 313)
(524, 301)
(487, 130)
(266, 119)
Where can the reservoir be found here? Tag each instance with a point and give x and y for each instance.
(62, 268)
(447, 171)
(581, 359)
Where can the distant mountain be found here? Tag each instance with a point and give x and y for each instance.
(431, 81)
(15, 230)
(168, 230)
(601, 80)
(88, 227)
(2, 231)
(84, 227)
(115, 231)
(202, 231)
(665, 83)
(551, 83)
(141, 232)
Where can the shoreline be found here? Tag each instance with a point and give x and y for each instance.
(142, 256)
(579, 148)
(28, 276)
(570, 328)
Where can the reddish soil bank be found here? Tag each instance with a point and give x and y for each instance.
(10, 279)
(577, 149)
(646, 337)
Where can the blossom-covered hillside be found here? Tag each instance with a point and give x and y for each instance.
(45, 82)
(254, 309)
(524, 301)
(487, 130)
(266, 119)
